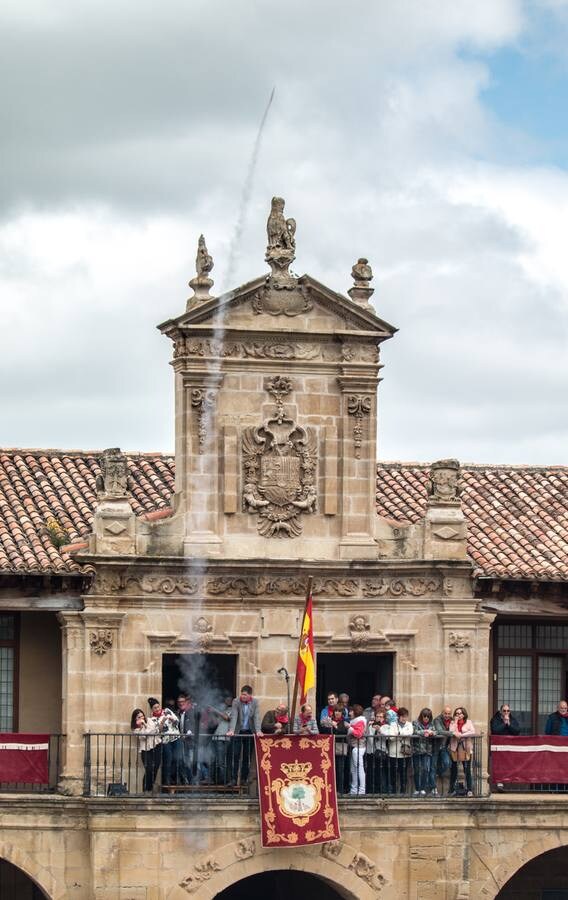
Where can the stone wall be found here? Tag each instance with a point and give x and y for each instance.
(153, 850)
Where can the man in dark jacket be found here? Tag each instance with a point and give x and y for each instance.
(557, 722)
(503, 723)
(245, 721)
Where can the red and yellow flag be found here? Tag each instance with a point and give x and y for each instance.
(306, 670)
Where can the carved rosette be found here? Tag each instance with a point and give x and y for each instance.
(358, 406)
(458, 641)
(279, 460)
(100, 640)
(203, 401)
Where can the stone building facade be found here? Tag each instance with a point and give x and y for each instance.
(275, 482)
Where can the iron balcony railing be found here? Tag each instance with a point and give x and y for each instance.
(137, 765)
(31, 766)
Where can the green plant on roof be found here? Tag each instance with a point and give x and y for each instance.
(56, 532)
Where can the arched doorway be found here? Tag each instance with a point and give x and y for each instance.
(16, 885)
(543, 878)
(283, 884)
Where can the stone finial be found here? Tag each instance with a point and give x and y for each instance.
(362, 274)
(202, 283)
(443, 482)
(114, 522)
(280, 250)
(113, 480)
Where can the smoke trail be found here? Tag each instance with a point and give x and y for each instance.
(245, 196)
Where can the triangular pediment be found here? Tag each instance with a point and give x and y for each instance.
(305, 305)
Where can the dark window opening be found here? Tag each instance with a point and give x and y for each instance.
(359, 674)
(208, 677)
(9, 644)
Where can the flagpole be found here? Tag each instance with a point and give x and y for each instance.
(295, 699)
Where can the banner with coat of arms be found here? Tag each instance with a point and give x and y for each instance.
(296, 790)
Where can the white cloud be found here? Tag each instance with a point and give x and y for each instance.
(127, 140)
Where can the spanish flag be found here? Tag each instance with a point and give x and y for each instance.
(306, 670)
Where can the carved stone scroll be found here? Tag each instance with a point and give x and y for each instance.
(203, 401)
(358, 406)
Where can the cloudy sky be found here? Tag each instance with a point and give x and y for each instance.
(428, 135)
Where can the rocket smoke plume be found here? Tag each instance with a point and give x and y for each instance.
(246, 195)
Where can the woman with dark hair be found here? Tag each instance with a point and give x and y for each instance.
(422, 751)
(461, 749)
(149, 745)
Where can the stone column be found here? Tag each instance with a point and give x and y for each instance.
(359, 447)
(73, 702)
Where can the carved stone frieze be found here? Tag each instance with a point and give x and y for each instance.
(265, 585)
(366, 869)
(358, 406)
(279, 459)
(202, 400)
(154, 584)
(399, 587)
(266, 348)
(360, 353)
(101, 640)
(289, 299)
(459, 641)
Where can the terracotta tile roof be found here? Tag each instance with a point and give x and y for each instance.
(517, 516)
(41, 485)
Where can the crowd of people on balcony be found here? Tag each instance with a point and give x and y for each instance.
(378, 749)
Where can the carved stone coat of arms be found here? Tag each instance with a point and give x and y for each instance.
(279, 459)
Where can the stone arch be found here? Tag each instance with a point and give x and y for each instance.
(546, 871)
(335, 862)
(41, 876)
(519, 853)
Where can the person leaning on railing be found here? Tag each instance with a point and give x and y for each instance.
(305, 723)
(557, 722)
(422, 751)
(150, 746)
(461, 749)
(503, 723)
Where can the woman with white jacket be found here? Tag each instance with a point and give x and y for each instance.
(356, 739)
(399, 749)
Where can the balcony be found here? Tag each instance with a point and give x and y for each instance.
(129, 765)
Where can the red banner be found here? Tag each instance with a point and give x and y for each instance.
(541, 759)
(24, 758)
(296, 790)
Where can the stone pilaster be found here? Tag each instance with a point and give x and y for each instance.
(73, 693)
(359, 447)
